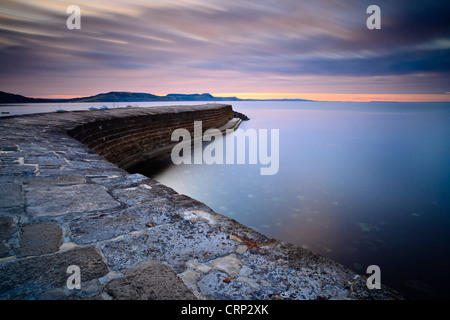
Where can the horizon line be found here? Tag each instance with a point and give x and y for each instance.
(324, 97)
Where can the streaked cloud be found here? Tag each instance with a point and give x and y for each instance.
(224, 46)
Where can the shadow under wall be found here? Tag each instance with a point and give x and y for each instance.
(151, 168)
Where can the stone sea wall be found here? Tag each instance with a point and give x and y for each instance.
(125, 140)
(65, 200)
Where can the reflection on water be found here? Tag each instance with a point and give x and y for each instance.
(361, 183)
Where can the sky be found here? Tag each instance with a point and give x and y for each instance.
(320, 50)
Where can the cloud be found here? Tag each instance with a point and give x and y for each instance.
(284, 39)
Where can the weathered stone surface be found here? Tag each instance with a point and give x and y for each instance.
(54, 180)
(214, 286)
(229, 264)
(11, 195)
(7, 228)
(149, 281)
(21, 170)
(174, 243)
(40, 238)
(135, 195)
(90, 290)
(49, 200)
(30, 277)
(105, 226)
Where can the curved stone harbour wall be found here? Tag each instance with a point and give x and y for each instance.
(62, 205)
(126, 140)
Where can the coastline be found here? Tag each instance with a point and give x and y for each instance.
(64, 204)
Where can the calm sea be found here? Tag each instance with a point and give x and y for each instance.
(361, 183)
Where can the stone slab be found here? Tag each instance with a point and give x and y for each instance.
(55, 180)
(50, 200)
(10, 195)
(151, 280)
(101, 227)
(40, 238)
(31, 277)
(7, 228)
(174, 243)
(24, 170)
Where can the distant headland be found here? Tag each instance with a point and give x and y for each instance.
(120, 96)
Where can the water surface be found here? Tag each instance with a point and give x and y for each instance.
(361, 183)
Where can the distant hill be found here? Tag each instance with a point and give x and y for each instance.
(199, 97)
(119, 96)
(139, 97)
(115, 96)
(6, 97)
